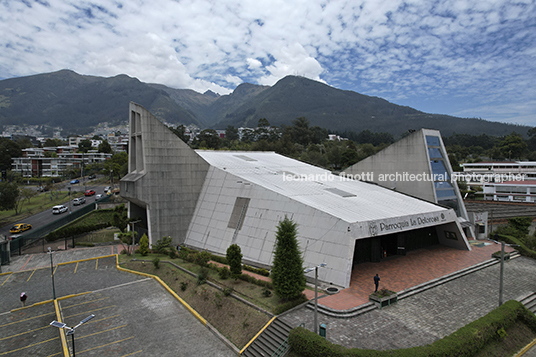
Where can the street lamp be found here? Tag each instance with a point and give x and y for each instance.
(134, 239)
(52, 274)
(308, 270)
(70, 330)
(69, 199)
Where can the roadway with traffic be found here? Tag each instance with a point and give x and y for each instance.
(45, 217)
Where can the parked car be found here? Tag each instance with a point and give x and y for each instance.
(91, 177)
(75, 181)
(89, 193)
(59, 209)
(79, 201)
(98, 197)
(107, 188)
(20, 227)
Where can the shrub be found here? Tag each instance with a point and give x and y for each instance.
(260, 271)
(173, 253)
(266, 293)
(224, 273)
(234, 257)
(202, 258)
(228, 291)
(144, 245)
(279, 309)
(202, 276)
(218, 258)
(156, 263)
(162, 246)
(218, 300)
(184, 285)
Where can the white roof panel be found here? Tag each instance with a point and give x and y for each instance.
(350, 200)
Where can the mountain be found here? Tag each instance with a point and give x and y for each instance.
(341, 110)
(76, 102)
(72, 101)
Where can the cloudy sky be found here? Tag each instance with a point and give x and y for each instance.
(463, 58)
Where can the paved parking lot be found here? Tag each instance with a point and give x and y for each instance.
(134, 315)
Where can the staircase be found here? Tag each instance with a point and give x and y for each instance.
(529, 301)
(273, 341)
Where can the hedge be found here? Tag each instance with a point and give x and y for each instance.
(522, 248)
(467, 341)
(74, 231)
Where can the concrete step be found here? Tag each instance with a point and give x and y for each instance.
(273, 339)
(529, 301)
(444, 279)
(356, 311)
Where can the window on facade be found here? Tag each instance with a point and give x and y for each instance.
(239, 212)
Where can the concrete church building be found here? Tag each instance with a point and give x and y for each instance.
(211, 199)
(417, 165)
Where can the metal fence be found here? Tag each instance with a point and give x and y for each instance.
(35, 235)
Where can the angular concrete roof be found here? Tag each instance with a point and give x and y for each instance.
(350, 200)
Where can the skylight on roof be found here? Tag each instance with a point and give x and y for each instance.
(340, 192)
(245, 158)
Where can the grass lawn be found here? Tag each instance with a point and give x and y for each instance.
(39, 203)
(101, 236)
(237, 321)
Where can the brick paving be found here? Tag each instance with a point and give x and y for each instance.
(400, 273)
(428, 316)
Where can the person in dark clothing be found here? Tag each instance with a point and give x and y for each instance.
(376, 282)
(23, 298)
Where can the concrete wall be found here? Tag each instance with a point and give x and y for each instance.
(408, 155)
(165, 176)
(321, 237)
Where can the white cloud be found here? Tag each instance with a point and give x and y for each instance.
(404, 50)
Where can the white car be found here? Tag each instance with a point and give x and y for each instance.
(79, 201)
(98, 197)
(59, 209)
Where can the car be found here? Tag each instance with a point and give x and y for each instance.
(59, 209)
(98, 197)
(79, 201)
(91, 177)
(107, 188)
(89, 193)
(75, 181)
(20, 227)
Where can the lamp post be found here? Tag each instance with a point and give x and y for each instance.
(69, 199)
(52, 274)
(71, 330)
(134, 239)
(308, 270)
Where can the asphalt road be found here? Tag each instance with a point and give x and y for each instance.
(45, 217)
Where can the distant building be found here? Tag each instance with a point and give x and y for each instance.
(35, 163)
(511, 191)
(212, 199)
(480, 173)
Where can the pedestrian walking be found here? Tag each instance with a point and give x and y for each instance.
(376, 282)
(23, 298)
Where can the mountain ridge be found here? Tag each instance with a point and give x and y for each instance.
(74, 102)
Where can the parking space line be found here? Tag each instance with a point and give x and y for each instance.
(108, 344)
(32, 345)
(87, 312)
(26, 262)
(6, 279)
(96, 264)
(133, 353)
(54, 272)
(22, 333)
(103, 331)
(31, 275)
(29, 318)
(76, 267)
(85, 302)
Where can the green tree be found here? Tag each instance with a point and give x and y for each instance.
(119, 218)
(288, 277)
(84, 145)
(208, 138)
(180, 131)
(105, 147)
(9, 196)
(8, 150)
(231, 133)
(234, 259)
(144, 245)
(513, 146)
